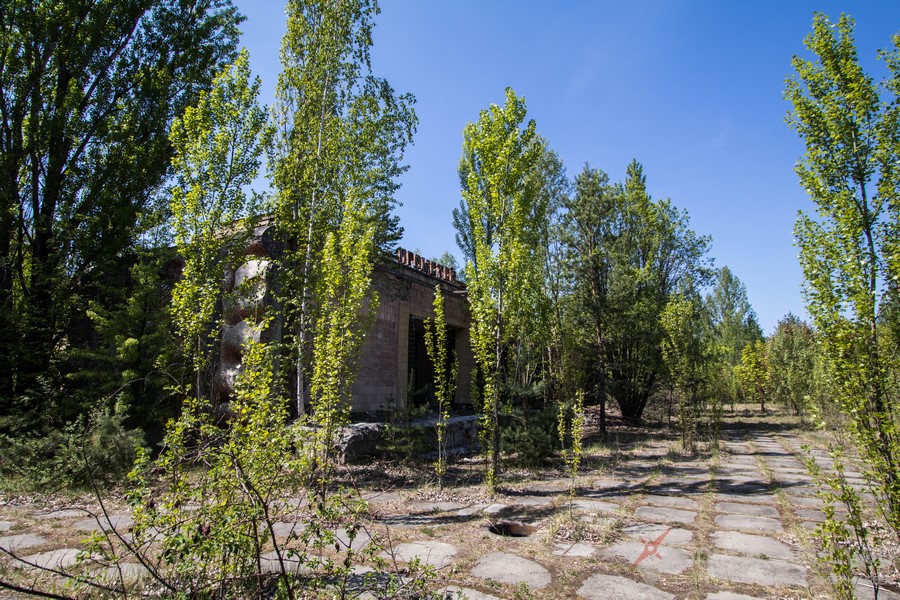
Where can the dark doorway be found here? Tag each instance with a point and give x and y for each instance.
(420, 390)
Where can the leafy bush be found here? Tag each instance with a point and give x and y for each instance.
(532, 436)
(93, 449)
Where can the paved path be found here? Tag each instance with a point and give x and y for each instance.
(653, 525)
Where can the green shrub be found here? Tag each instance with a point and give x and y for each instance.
(532, 436)
(95, 448)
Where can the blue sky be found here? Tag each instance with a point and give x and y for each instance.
(693, 90)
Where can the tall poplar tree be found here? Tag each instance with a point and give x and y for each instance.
(340, 132)
(849, 248)
(508, 218)
(217, 146)
(683, 349)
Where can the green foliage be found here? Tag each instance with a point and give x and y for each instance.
(445, 369)
(753, 372)
(588, 235)
(683, 350)
(848, 541)
(733, 327)
(217, 148)
(531, 436)
(507, 221)
(792, 356)
(207, 523)
(628, 255)
(343, 295)
(340, 132)
(570, 427)
(138, 328)
(204, 530)
(848, 251)
(89, 91)
(94, 449)
(404, 436)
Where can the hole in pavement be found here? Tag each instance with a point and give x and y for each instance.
(511, 529)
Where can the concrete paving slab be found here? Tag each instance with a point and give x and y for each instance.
(730, 596)
(784, 463)
(430, 552)
(677, 488)
(665, 515)
(470, 510)
(865, 591)
(752, 545)
(613, 587)
(755, 510)
(459, 593)
(811, 514)
(651, 531)
(360, 540)
(436, 506)
(742, 488)
(409, 521)
(55, 559)
(600, 485)
(576, 549)
(493, 509)
(127, 573)
(741, 569)
(284, 529)
(382, 497)
(748, 523)
(671, 502)
(763, 498)
(509, 568)
(810, 501)
(552, 487)
(800, 490)
(269, 563)
(595, 505)
(534, 500)
(14, 543)
(6, 525)
(120, 523)
(666, 559)
(789, 481)
(60, 514)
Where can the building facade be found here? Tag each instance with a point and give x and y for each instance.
(394, 370)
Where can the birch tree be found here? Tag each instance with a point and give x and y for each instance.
(339, 131)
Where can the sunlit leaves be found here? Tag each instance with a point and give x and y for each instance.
(848, 250)
(445, 370)
(508, 219)
(218, 144)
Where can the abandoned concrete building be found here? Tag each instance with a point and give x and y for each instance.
(394, 370)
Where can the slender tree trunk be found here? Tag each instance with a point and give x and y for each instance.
(9, 338)
(495, 401)
(307, 262)
(601, 354)
(601, 366)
